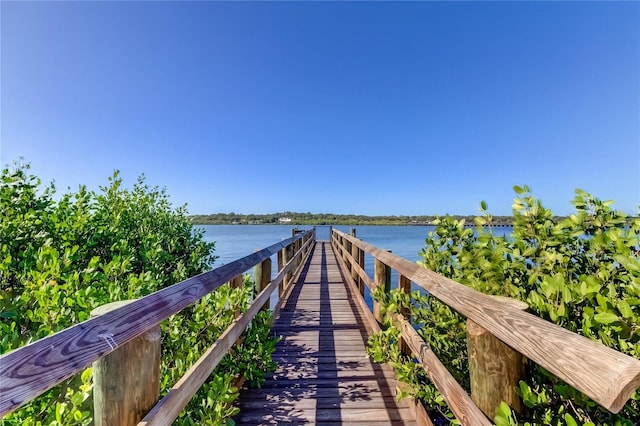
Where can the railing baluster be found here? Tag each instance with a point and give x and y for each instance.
(382, 279)
(282, 256)
(262, 278)
(404, 284)
(355, 254)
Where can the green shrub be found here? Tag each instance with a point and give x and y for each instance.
(581, 272)
(62, 257)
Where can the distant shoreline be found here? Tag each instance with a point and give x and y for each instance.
(310, 219)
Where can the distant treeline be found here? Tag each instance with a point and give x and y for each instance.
(291, 218)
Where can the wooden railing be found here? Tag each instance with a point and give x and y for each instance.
(604, 374)
(31, 370)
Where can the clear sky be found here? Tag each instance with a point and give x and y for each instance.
(378, 108)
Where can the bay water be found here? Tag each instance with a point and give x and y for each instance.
(236, 241)
(233, 242)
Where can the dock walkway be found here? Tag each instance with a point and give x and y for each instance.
(323, 376)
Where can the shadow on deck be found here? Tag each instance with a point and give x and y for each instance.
(323, 375)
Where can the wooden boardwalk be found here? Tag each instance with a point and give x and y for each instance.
(324, 376)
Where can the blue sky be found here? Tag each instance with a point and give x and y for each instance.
(379, 108)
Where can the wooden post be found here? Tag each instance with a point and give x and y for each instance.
(381, 278)
(294, 247)
(355, 253)
(361, 263)
(494, 368)
(404, 284)
(346, 245)
(281, 262)
(236, 283)
(262, 277)
(295, 252)
(292, 251)
(285, 260)
(350, 251)
(126, 381)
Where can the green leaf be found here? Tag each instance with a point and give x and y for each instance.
(503, 415)
(570, 420)
(629, 263)
(86, 375)
(483, 205)
(518, 189)
(605, 318)
(59, 411)
(583, 288)
(625, 309)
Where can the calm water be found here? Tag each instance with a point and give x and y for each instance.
(236, 241)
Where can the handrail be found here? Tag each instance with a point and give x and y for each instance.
(459, 401)
(169, 407)
(29, 371)
(605, 375)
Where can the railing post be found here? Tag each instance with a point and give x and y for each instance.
(404, 284)
(286, 256)
(262, 278)
(349, 251)
(126, 382)
(281, 262)
(355, 254)
(289, 255)
(361, 284)
(494, 368)
(236, 282)
(298, 246)
(294, 246)
(346, 250)
(381, 278)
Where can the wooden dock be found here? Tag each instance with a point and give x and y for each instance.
(323, 376)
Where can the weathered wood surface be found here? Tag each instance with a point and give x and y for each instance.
(460, 403)
(382, 280)
(604, 374)
(494, 368)
(324, 375)
(28, 371)
(357, 266)
(404, 284)
(126, 383)
(169, 407)
(370, 322)
(262, 278)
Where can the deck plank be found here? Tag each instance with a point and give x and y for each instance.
(324, 376)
